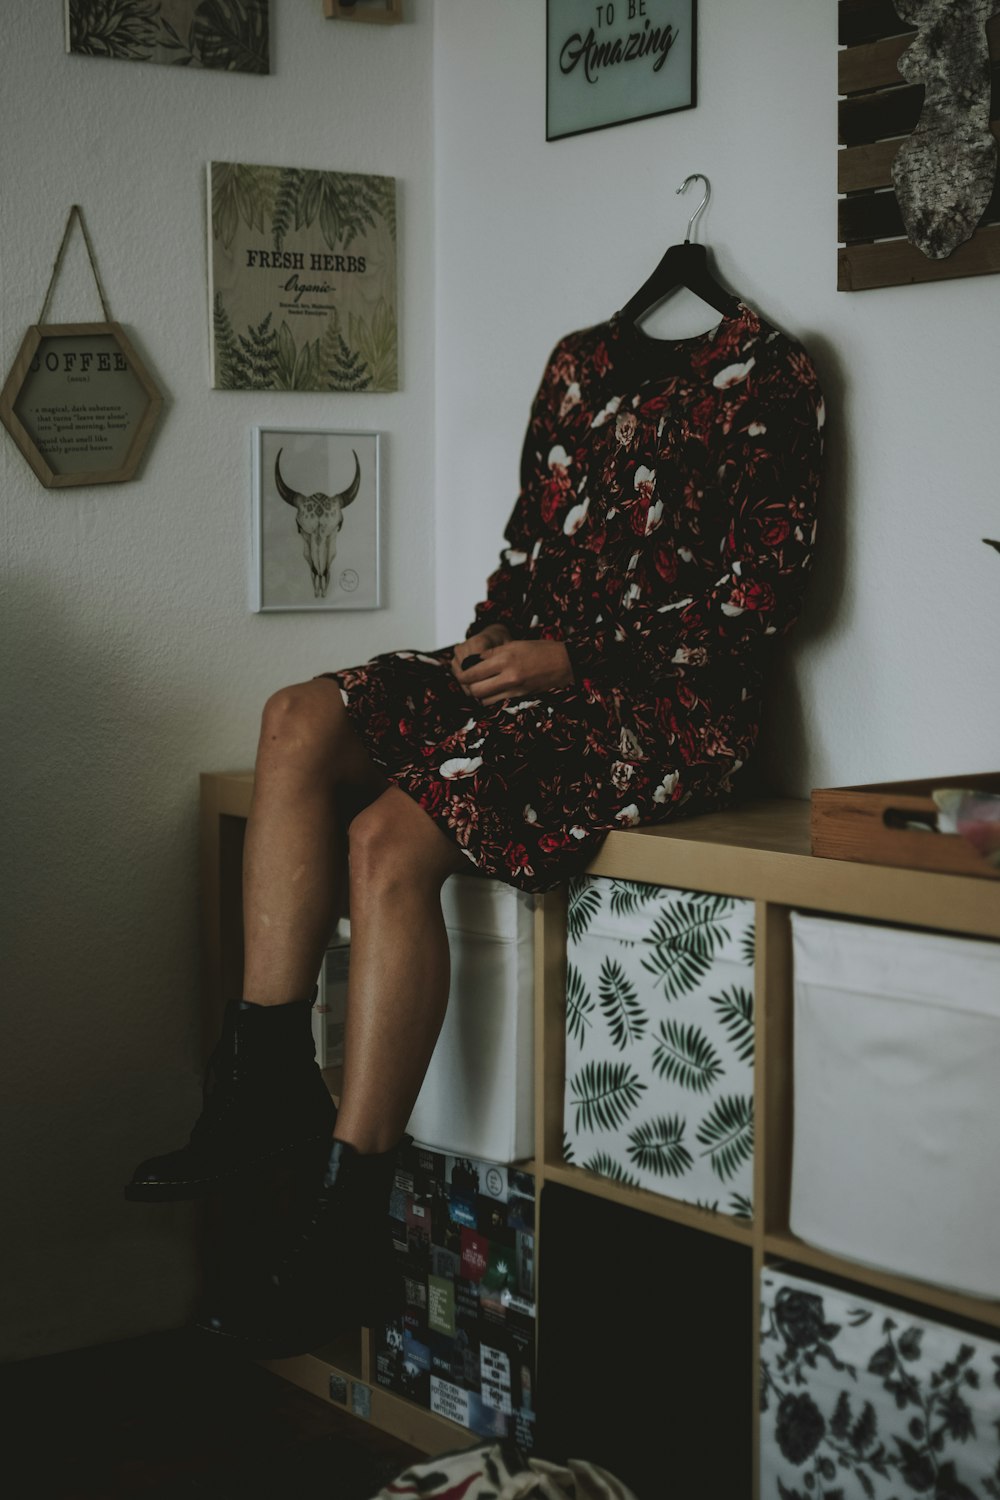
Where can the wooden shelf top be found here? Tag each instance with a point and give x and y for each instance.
(759, 851)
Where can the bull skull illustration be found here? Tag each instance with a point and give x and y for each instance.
(319, 518)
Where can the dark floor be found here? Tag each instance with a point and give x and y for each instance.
(164, 1417)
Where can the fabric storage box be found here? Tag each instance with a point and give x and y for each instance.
(478, 1096)
(897, 1104)
(864, 1401)
(660, 1040)
(461, 1339)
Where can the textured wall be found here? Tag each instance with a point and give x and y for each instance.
(131, 661)
(893, 670)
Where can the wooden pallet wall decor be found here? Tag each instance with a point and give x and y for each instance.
(877, 112)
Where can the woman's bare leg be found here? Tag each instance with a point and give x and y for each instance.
(293, 856)
(399, 973)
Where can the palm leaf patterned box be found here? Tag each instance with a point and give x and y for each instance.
(863, 1401)
(660, 1040)
(461, 1340)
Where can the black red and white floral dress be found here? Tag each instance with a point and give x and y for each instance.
(664, 531)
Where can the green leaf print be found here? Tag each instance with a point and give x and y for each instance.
(685, 1056)
(344, 204)
(256, 358)
(375, 341)
(735, 1008)
(584, 904)
(748, 945)
(658, 1146)
(628, 895)
(579, 1005)
(114, 28)
(740, 1206)
(232, 35)
(240, 194)
(608, 1166)
(297, 369)
(226, 353)
(727, 1134)
(626, 1018)
(568, 1149)
(604, 1095)
(684, 939)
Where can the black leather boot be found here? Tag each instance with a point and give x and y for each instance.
(265, 1103)
(335, 1270)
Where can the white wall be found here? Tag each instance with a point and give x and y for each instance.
(131, 661)
(893, 671)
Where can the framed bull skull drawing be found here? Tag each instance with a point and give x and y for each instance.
(316, 522)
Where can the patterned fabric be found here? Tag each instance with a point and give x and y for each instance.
(501, 1472)
(664, 530)
(860, 1401)
(660, 1040)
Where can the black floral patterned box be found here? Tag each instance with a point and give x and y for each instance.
(461, 1342)
(660, 1040)
(863, 1401)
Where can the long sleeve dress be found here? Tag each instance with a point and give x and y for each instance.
(663, 531)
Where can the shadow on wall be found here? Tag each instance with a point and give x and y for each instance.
(785, 753)
(99, 1047)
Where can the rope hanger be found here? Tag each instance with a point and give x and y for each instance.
(75, 214)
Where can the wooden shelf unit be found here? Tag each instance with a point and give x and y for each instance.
(759, 852)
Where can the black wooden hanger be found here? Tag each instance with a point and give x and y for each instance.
(683, 265)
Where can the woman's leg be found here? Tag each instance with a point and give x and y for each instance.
(337, 1269)
(399, 971)
(308, 755)
(265, 1098)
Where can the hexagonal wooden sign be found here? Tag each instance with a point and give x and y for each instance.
(79, 403)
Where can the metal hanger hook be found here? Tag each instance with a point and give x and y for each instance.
(695, 177)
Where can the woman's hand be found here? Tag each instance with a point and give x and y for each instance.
(511, 669)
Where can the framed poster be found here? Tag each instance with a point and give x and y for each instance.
(302, 279)
(316, 520)
(80, 404)
(617, 61)
(229, 35)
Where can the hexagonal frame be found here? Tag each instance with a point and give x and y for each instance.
(19, 372)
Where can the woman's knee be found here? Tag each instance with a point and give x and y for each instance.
(303, 722)
(395, 844)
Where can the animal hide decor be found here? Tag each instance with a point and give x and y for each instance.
(918, 125)
(944, 171)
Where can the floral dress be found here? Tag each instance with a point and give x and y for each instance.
(664, 532)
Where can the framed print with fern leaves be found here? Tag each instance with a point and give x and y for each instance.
(660, 1040)
(231, 36)
(302, 279)
(316, 500)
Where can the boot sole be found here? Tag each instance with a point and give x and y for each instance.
(247, 1174)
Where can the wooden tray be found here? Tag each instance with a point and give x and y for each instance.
(868, 823)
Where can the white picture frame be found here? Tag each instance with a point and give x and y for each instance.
(316, 520)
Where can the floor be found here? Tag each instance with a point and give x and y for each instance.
(163, 1417)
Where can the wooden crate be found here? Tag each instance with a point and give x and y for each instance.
(869, 824)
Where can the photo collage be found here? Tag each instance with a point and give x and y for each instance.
(461, 1341)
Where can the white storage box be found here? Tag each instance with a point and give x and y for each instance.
(660, 1040)
(329, 1012)
(896, 1153)
(862, 1399)
(478, 1096)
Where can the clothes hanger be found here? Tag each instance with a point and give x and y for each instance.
(683, 265)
